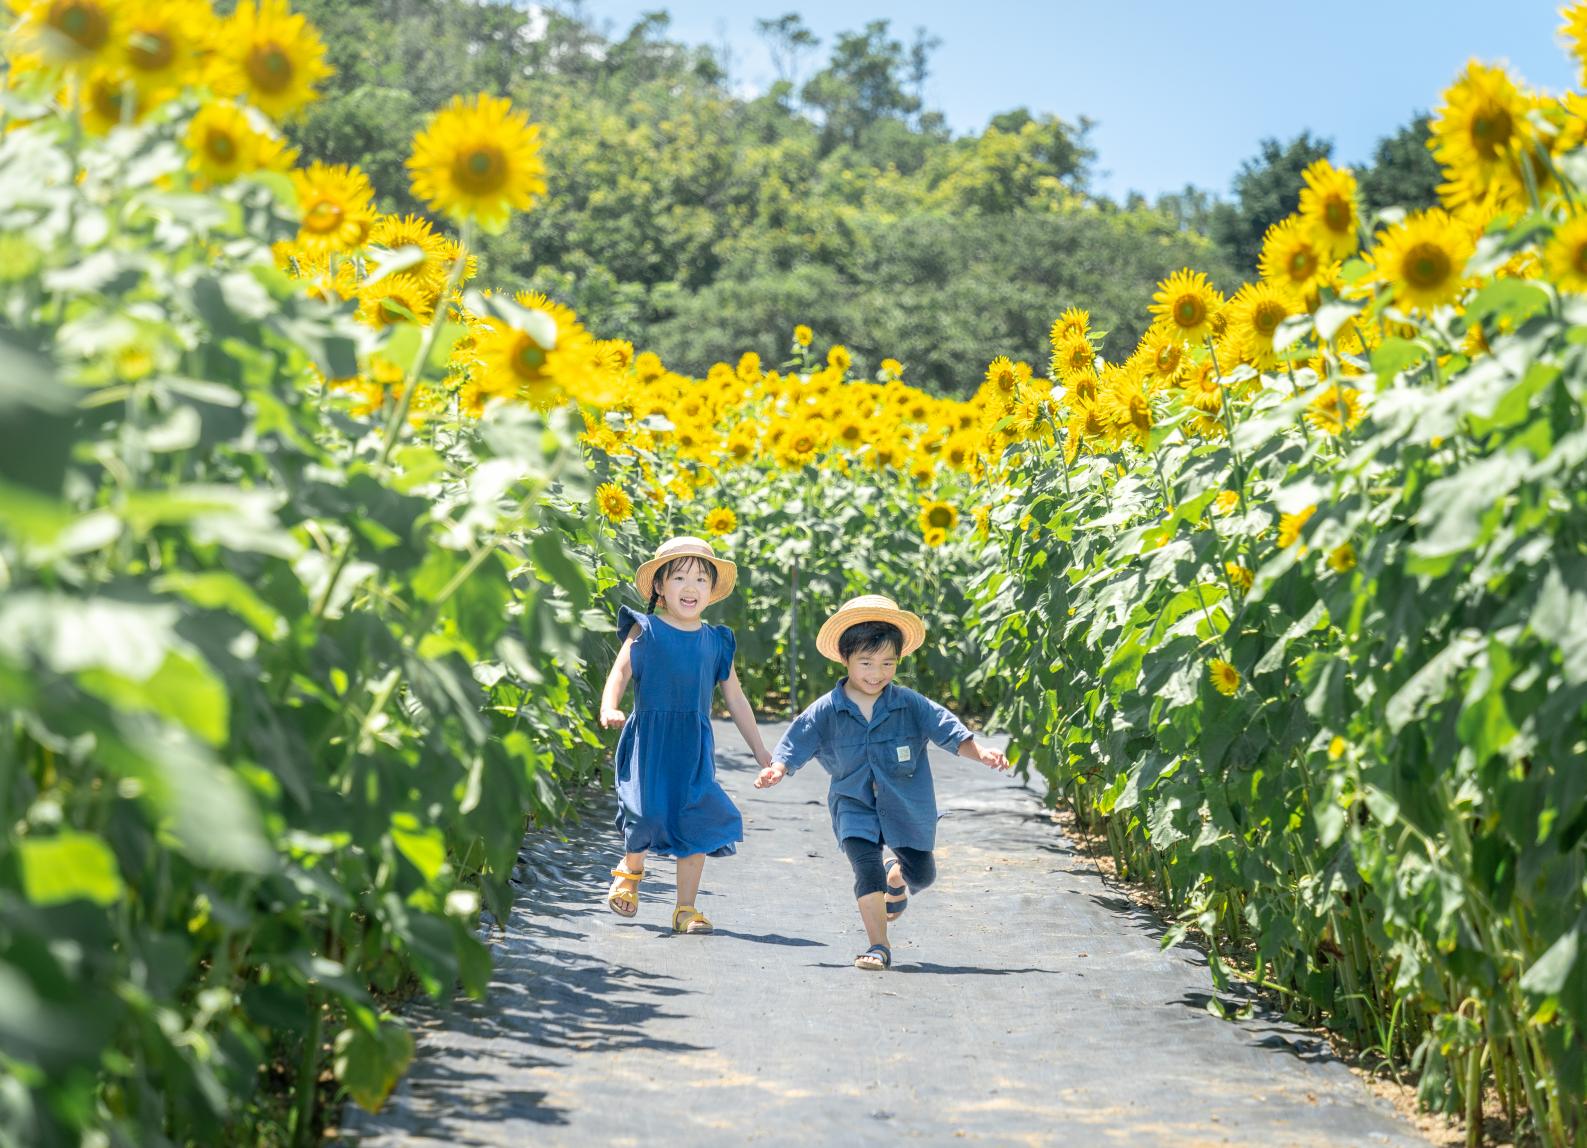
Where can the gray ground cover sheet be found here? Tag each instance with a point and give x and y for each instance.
(1030, 1003)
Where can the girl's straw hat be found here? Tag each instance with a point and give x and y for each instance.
(686, 546)
(870, 608)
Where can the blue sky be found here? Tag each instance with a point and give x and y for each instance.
(1182, 92)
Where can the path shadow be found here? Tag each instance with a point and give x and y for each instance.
(548, 1000)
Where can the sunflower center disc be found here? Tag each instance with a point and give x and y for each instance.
(269, 67)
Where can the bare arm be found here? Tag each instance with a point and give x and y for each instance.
(995, 758)
(744, 717)
(616, 684)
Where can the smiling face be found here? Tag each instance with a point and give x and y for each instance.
(870, 652)
(685, 586)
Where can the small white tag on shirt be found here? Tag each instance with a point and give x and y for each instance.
(903, 753)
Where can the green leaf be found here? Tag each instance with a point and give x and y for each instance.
(69, 866)
(1393, 355)
(1549, 972)
(369, 1064)
(221, 590)
(1512, 299)
(423, 845)
(184, 689)
(551, 558)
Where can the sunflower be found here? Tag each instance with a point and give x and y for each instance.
(72, 34)
(1074, 358)
(478, 159)
(800, 446)
(386, 304)
(1184, 304)
(721, 521)
(839, 359)
(1002, 380)
(1479, 136)
(1123, 406)
(803, 335)
(1254, 315)
(1163, 355)
(1292, 257)
(110, 99)
(399, 232)
(1072, 322)
(935, 515)
(1226, 501)
(1225, 678)
(1289, 526)
(1422, 259)
(546, 358)
(1342, 558)
(1575, 31)
(223, 144)
(613, 501)
(934, 536)
(1204, 390)
(270, 55)
(848, 432)
(162, 44)
(1328, 207)
(1566, 253)
(1240, 577)
(337, 206)
(891, 370)
(1085, 427)
(1334, 409)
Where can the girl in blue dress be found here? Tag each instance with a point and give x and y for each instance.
(669, 801)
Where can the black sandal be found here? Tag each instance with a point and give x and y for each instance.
(876, 959)
(896, 906)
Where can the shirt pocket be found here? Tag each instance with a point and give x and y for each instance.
(895, 758)
(848, 754)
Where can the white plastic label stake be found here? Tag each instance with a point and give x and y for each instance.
(903, 753)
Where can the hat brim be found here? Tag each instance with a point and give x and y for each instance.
(726, 574)
(910, 625)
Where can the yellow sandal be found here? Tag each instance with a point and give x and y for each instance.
(694, 920)
(624, 902)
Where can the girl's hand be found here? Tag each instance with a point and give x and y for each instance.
(612, 718)
(995, 758)
(771, 775)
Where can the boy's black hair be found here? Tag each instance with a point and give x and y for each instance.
(664, 571)
(866, 637)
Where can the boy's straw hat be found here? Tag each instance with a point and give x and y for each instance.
(870, 608)
(686, 546)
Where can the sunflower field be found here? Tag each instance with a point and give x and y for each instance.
(310, 546)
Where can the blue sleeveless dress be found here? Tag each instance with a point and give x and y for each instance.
(669, 801)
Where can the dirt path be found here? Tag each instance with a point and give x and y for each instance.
(1029, 1004)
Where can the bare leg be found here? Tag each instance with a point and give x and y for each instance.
(632, 863)
(689, 870)
(873, 911)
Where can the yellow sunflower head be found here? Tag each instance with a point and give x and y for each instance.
(478, 159)
(1565, 257)
(1225, 678)
(1290, 525)
(1574, 30)
(720, 520)
(1074, 358)
(1481, 135)
(336, 204)
(1292, 257)
(1185, 303)
(1334, 409)
(1240, 577)
(1073, 321)
(1255, 313)
(271, 56)
(71, 34)
(163, 44)
(223, 143)
(1342, 558)
(1422, 259)
(839, 359)
(802, 335)
(1328, 207)
(613, 502)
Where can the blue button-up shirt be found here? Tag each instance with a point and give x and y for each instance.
(881, 782)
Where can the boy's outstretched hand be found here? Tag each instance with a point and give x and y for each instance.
(771, 775)
(995, 758)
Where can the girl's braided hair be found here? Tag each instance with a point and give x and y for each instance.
(664, 571)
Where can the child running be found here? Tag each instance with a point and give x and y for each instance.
(669, 801)
(871, 736)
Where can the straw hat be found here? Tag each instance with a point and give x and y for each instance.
(870, 608)
(685, 546)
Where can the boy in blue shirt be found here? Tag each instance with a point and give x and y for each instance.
(871, 736)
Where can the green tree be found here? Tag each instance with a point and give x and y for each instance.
(1403, 172)
(866, 80)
